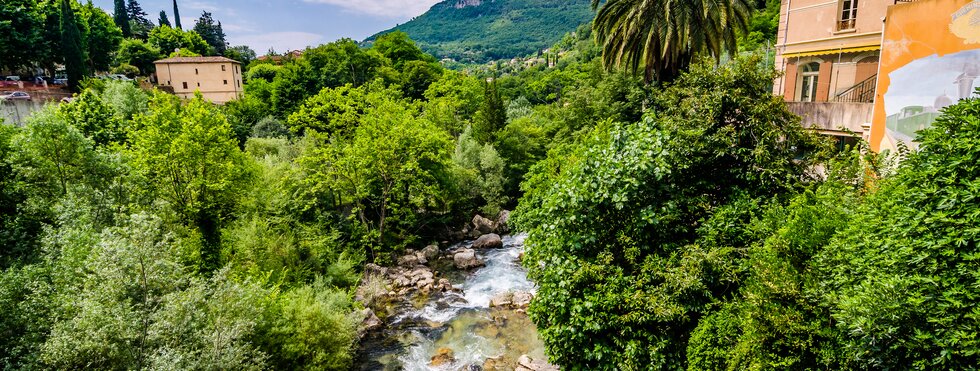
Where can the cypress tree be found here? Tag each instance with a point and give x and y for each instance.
(71, 46)
(122, 18)
(177, 16)
(164, 21)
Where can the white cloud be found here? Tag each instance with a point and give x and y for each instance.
(281, 41)
(382, 8)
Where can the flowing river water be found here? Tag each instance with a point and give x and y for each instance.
(480, 337)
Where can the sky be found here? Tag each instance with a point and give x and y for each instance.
(289, 24)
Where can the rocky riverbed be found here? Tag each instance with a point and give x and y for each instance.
(461, 307)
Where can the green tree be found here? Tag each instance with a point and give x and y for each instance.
(71, 42)
(121, 17)
(241, 53)
(125, 99)
(613, 223)
(191, 157)
(138, 53)
(395, 171)
(417, 76)
(102, 39)
(664, 37)
(21, 23)
(481, 173)
(334, 112)
(177, 16)
(493, 114)
(169, 40)
(399, 49)
(211, 32)
(163, 20)
(138, 23)
(94, 119)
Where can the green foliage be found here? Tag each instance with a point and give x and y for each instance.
(399, 49)
(90, 115)
(332, 111)
(267, 72)
(102, 37)
(211, 32)
(452, 101)
(490, 30)
(20, 33)
(168, 40)
(138, 53)
(612, 235)
(417, 76)
(125, 99)
(493, 114)
(481, 173)
(72, 48)
(121, 17)
(316, 329)
(190, 159)
(900, 279)
(395, 171)
(269, 127)
(127, 69)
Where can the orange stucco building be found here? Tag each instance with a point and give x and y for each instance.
(828, 52)
(219, 79)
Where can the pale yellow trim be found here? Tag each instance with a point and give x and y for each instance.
(853, 49)
(832, 38)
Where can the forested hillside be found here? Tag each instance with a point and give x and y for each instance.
(484, 30)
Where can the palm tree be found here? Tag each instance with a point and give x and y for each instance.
(663, 36)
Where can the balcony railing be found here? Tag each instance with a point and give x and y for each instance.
(862, 92)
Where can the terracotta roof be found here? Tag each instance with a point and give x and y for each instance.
(197, 60)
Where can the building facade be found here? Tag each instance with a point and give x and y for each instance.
(219, 79)
(828, 52)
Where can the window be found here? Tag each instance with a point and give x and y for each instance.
(185, 85)
(848, 14)
(226, 82)
(195, 71)
(223, 67)
(199, 85)
(808, 81)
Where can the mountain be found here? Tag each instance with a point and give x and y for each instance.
(484, 30)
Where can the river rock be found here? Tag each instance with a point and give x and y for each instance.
(443, 356)
(430, 252)
(371, 321)
(521, 299)
(502, 300)
(408, 260)
(421, 258)
(501, 225)
(488, 241)
(466, 259)
(526, 363)
(483, 225)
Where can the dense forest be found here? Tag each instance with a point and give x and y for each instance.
(689, 223)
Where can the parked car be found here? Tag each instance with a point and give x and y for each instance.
(17, 95)
(11, 78)
(60, 81)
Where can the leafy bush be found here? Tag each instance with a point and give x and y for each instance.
(612, 237)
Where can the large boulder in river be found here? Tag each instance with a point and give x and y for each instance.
(483, 225)
(526, 363)
(501, 225)
(488, 241)
(466, 259)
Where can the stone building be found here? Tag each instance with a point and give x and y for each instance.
(219, 79)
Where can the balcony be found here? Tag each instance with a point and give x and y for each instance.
(833, 117)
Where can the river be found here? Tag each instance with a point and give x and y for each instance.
(480, 337)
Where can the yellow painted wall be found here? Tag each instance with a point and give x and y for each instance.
(916, 30)
(215, 84)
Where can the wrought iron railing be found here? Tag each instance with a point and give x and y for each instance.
(862, 92)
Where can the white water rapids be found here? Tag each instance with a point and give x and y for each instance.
(462, 322)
